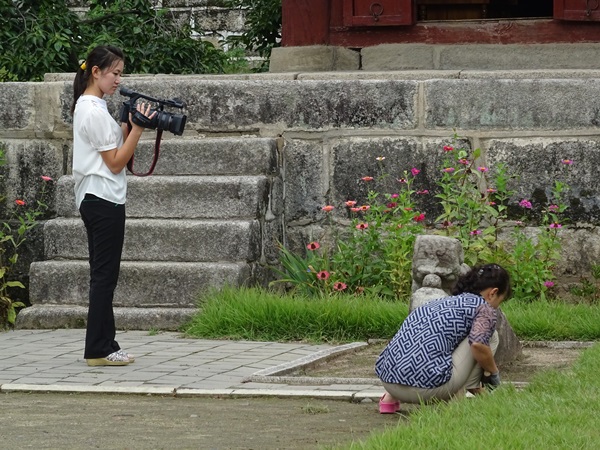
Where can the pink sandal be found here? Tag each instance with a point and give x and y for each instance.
(388, 407)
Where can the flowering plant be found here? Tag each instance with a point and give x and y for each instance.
(374, 253)
(13, 234)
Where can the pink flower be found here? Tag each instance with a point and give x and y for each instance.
(415, 171)
(401, 180)
(525, 204)
(362, 226)
(491, 190)
(519, 223)
(553, 208)
(483, 169)
(367, 178)
(395, 195)
(45, 178)
(423, 192)
(555, 225)
(449, 169)
(313, 246)
(350, 203)
(567, 162)
(419, 217)
(448, 148)
(355, 209)
(463, 161)
(392, 204)
(323, 275)
(549, 284)
(339, 286)
(328, 208)
(475, 232)
(492, 203)
(365, 207)
(446, 224)
(20, 202)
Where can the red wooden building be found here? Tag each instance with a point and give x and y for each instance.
(363, 23)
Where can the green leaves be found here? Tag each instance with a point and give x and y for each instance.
(43, 36)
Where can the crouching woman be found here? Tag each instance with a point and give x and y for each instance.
(444, 346)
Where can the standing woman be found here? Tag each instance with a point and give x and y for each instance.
(444, 346)
(101, 149)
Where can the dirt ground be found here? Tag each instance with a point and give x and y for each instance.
(86, 421)
(77, 421)
(360, 364)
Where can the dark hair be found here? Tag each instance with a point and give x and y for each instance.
(103, 56)
(480, 278)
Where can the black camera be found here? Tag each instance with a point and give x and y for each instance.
(162, 120)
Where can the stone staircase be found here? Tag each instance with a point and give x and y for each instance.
(197, 223)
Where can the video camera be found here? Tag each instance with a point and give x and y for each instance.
(163, 120)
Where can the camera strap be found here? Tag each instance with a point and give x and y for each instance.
(154, 158)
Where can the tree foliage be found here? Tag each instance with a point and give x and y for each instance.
(263, 26)
(42, 36)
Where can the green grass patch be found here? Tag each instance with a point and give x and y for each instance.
(556, 321)
(260, 315)
(557, 410)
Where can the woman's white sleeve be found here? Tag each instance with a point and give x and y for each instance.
(99, 126)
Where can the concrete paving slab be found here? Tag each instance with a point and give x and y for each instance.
(168, 364)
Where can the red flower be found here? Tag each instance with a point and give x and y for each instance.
(313, 246)
(323, 275)
(419, 217)
(339, 286)
(367, 178)
(20, 202)
(447, 148)
(327, 208)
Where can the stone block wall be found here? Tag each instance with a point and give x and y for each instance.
(212, 17)
(335, 125)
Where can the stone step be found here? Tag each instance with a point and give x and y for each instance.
(142, 284)
(55, 316)
(208, 156)
(182, 197)
(162, 240)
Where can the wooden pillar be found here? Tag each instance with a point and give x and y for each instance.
(305, 22)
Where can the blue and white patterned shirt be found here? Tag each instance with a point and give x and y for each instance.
(420, 354)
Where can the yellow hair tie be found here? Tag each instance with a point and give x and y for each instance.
(83, 66)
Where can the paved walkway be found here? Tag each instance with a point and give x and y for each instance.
(168, 364)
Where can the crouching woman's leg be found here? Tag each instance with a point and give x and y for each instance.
(466, 374)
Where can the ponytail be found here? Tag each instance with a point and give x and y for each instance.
(103, 56)
(480, 278)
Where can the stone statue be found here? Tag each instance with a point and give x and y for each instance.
(438, 261)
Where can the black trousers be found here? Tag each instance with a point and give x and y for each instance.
(105, 225)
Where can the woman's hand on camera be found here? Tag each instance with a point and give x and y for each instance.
(142, 109)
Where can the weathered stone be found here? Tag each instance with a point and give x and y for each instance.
(542, 104)
(398, 57)
(305, 173)
(537, 163)
(437, 255)
(314, 58)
